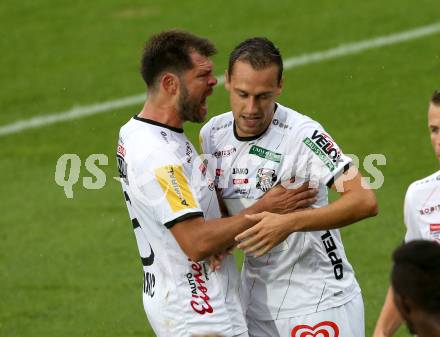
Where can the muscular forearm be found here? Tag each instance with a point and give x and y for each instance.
(352, 206)
(200, 238)
(217, 235)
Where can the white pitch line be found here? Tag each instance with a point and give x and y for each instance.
(293, 62)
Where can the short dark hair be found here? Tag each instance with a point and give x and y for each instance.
(435, 99)
(170, 51)
(259, 52)
(416, 273)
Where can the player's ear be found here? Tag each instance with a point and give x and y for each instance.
(227, 83)
(170, 83)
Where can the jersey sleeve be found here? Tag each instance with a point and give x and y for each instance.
(412, 230)
(318, 158)
(164, 188)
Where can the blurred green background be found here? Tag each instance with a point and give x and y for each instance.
(70, 267)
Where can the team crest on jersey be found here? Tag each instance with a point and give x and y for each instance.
(265, 179)
(326, 328)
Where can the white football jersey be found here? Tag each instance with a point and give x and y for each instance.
(422, 209)
(164, 182)
(309, 271)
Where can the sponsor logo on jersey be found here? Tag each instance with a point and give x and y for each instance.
(265, 153)
(218, 172)
(240, 170)
(321, 155)
(224, 126)
(120, 150)
(434, 227)
(164, 136)
(430, 209)
(435, 231)
(122, 168)
(331, 250)
(211, 184)
(175, 187)
(265, 179)
(241, 191)
(203, 167)
(199, 291)
(240, 181)
(188, 152)
(323, 146)
(281, 124)
(149, 284)
(324, 329)
(224, 153)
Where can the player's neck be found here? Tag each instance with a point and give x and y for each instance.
(162, 112)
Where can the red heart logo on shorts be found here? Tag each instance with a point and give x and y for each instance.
(323, 329)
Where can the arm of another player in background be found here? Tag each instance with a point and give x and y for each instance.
(200, 238)
(389, 319)
(355, 203)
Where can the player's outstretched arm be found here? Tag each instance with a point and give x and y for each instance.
(389, 319)
(200, 238)
(355, 203)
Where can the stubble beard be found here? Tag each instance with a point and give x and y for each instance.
(188, 109)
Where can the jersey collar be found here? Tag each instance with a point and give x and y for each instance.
(150, 121)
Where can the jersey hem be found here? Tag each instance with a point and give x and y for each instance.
(312, 310)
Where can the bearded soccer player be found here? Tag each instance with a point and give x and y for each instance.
(172, 201)
(421, 215)
(296, 279)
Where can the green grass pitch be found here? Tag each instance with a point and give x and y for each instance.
(70, 267)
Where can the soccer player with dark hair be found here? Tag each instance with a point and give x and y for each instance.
(415, 279)
(171, 198)
(296, 278)
(421, 216)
